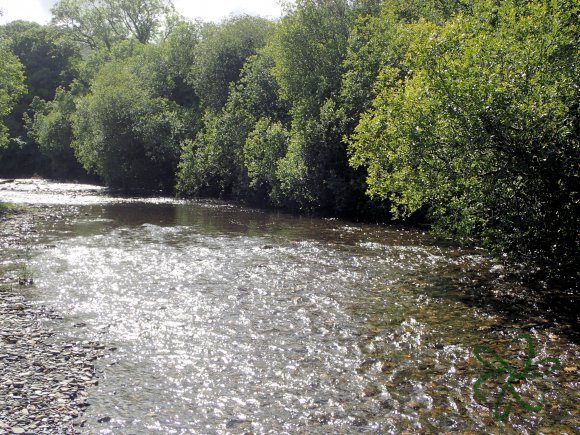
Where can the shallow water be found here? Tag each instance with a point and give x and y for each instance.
(220, 319)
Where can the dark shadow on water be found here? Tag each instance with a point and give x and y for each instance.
(521, 305)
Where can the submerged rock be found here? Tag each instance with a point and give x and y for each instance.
(43, 383)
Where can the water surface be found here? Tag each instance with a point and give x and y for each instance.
(220, 319)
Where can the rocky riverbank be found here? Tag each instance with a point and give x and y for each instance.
(43, 381)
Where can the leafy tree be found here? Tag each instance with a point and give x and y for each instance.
(11, 85)
(50, 61)
(309, 49)
(130, 136)
(180, 46)
(221, 54)
(51, 129)
(484, 129)
(266, 144)
(379, 39)
(258, 89)
(102, 23)
(437, 12)
(49, 123)
(147, 20)
(314, 174)
(158, 70)
(214, 163)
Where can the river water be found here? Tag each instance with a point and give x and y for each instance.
(215, 318)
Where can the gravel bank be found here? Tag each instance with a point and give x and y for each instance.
(43, 381)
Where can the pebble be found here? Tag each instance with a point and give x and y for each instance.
(43, 383)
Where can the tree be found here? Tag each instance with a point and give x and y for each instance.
(379, 39)
(102, 23)
(11, 85)
(51, 129)
(483, 128)
(147, 19)
(130, 136)
(265, 145)
(214, 163)
(50, 61)
(308, 49)
(221, 54)
(157, 70)
(180, 46)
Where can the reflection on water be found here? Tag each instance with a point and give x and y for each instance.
(220, 319)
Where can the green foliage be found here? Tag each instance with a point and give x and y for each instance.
(376, 41)
(259, 92)
(308, 49)
(103, 23)
(484, 129)
(380, 39)
(221, 54)
(214, 163)
(50, 61)
(180, 47)
(156, 112)
(266, 144)
(292, 170)
(437, 12)
(130, 136)
(51, 129)
(314, 174)
(11, 85)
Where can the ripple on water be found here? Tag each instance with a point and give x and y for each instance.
(249, 327)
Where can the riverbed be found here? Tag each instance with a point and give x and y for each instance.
(218, 318)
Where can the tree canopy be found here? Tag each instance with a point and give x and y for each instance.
(483, 128)
(102, 23)
(221, 54)
(11, 85)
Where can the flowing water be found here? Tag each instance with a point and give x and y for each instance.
(216, 318)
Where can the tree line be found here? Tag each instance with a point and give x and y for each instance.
(465, 113)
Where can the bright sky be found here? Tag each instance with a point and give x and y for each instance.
(207, 10)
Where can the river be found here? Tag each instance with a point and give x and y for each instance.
(217, 318)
